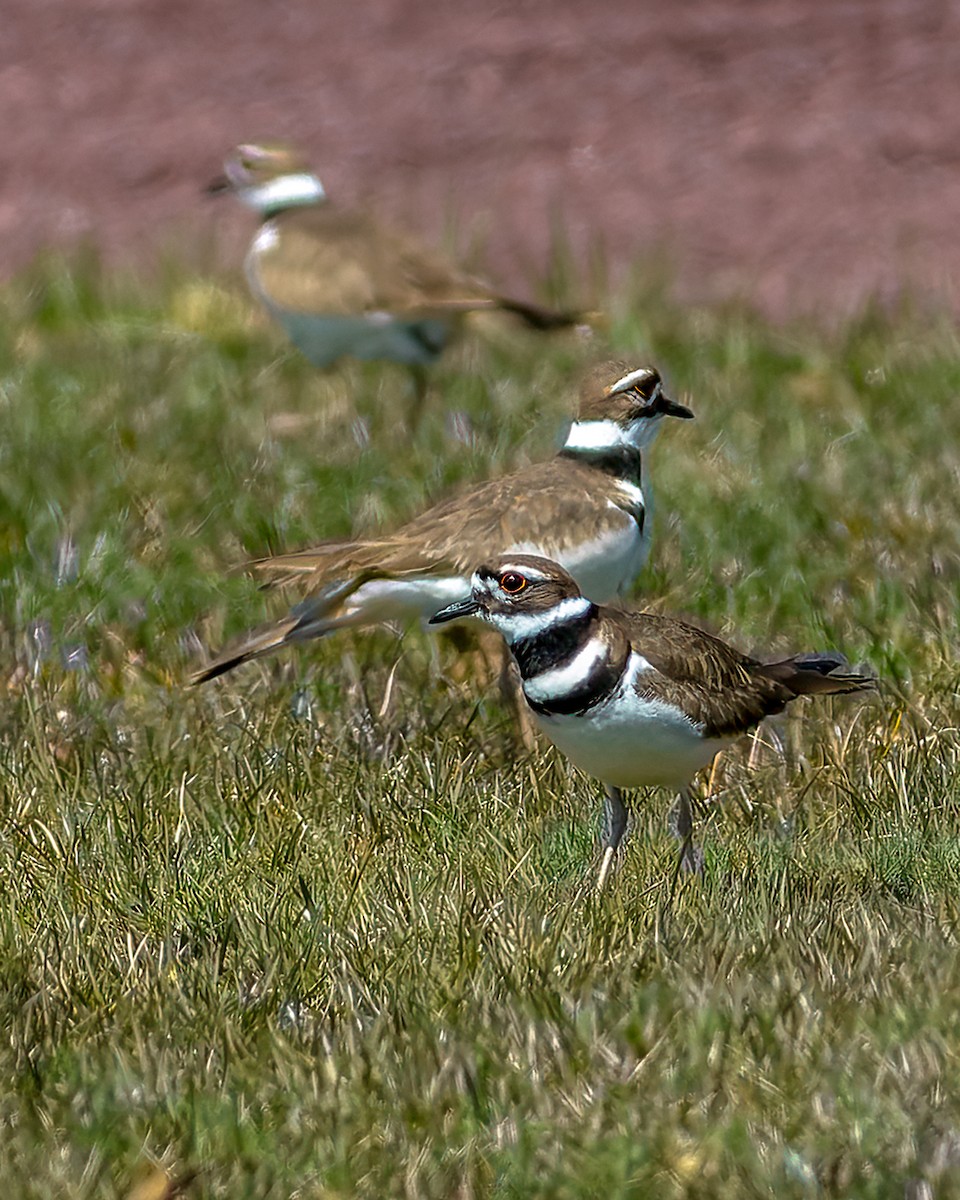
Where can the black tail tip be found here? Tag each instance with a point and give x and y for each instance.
(834, 668)
(213, 671)
(824, 662)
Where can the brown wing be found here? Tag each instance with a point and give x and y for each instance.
(542, 507)
(725, 691)
(340, 262)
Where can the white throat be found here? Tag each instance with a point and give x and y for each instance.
(517, 626)
(286, 191)
(595, 437)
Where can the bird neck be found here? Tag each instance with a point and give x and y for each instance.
(570, 664)
(286, 191)
(606, 446)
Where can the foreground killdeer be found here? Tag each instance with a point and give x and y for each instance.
(635, 699)
(586, 508)
(342, 284)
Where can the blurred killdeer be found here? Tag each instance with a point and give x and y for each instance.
(586, 508)
(342, 284)
(636, 699)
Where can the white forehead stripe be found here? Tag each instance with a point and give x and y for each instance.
(631, 380)
(534, 574)
(594, 435)
(560, 681)
(302, 188)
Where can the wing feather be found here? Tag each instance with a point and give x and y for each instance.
(721, 689)
(531, 508)
(338, 262)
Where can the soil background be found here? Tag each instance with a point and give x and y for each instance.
(803, 153)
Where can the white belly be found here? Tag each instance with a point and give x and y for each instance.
(379, 336)
(326, 337)
(629, 741)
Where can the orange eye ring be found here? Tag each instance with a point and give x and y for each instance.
(512, 582)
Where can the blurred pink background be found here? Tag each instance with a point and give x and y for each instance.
(805, 154)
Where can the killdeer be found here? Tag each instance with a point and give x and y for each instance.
(635, 699)
(343, 285)
(587, 508)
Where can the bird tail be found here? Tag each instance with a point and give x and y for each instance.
(818, 674)
(538, 317)
(318, 615)
(255, 644)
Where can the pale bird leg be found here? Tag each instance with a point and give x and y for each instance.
(681, 826)
(614, 827)
(605, 862)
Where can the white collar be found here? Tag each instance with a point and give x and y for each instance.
(286, 191)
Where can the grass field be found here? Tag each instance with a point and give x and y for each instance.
(322, 929)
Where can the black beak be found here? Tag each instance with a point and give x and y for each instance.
(218, 185)
(460, 608)
(671, 408)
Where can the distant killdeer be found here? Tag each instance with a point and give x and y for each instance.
(635, 699)
(586, 508)
(342, 284)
